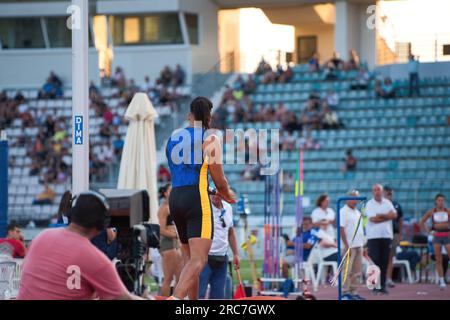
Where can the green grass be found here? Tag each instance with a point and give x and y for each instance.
(246, 271)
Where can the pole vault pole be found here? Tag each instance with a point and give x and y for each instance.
(80, 99)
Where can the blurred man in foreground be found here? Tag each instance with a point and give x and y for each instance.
(62, 263)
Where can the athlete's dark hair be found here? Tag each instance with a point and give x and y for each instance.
(163, 189)
(439, 195)
(65, 205)
(201, 110)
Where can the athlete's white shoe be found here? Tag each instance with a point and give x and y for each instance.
(442, 285)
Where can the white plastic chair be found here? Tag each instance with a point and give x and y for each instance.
(7, 269)
(404, 263)
(322, 264)
(16, 278)
(308, 267)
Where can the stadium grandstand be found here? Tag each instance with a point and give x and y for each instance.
(365, 101)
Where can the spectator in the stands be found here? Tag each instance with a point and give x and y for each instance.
(336, 62)
(349, 161)
(47, 196)
(250, 85)
(329, 72)
(377, 88)
(132, 87)
(332, 99)
(105, 131)
(314, 63)
(166, 76)
(329, 118)
(290, 122)
(118, 79)
(287, 76)
(35, 169)
(306, 141)
(413, 67)
(388, 89)
(310, 117)
(55, 79)
(147, 85)
(178, 76)
(361, 81)
(288, 141)
(163, 174)
(118, 144)
(353, 61)
(50, 90)
(93, 89)
(13, 245)
(263, 67)
(280, 111)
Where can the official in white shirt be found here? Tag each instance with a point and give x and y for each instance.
(379, 232)
(348, 220)
(215, 271)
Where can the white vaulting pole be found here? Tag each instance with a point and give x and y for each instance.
(80, 98)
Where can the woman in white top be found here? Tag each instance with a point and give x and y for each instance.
(324, 217)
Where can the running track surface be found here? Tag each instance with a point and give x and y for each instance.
(400, 292)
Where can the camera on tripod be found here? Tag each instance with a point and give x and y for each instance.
(129, 211)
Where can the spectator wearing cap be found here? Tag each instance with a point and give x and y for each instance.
(352, 237)
(397, 227)
(74, 269)
(380, 213)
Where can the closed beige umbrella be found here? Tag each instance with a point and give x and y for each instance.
(138, 164)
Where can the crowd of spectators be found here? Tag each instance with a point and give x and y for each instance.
(164, 91)
(269, 75)
(331, 67)
(49, 149)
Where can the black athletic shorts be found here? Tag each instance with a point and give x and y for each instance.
(191, 211)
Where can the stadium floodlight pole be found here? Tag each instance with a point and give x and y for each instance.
(80, 99)
(338, 224)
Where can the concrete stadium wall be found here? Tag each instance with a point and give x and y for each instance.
(426, 70)
(205, 55)
(29, 68)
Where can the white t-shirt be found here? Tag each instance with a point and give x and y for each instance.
(328, 214)
(381, 229)
(220, 242)
(349, 220)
